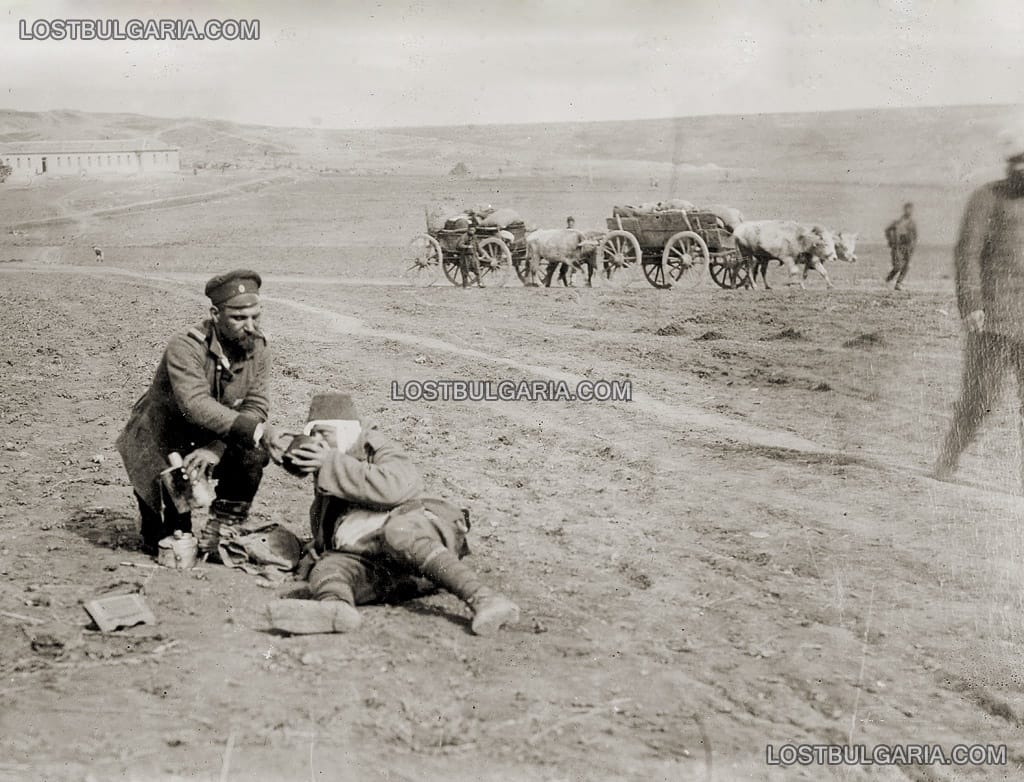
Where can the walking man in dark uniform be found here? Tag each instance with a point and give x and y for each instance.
(902, 238)
(989, 259)
(207, 401)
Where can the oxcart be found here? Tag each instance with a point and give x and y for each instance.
(672, 247)
(436, 253)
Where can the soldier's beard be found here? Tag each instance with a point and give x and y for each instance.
(245, 343)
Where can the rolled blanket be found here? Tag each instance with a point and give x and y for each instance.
(502, 218)
(676, 203)
(457, 223)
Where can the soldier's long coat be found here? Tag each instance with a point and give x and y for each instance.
(198, 398)
(989, 258)
(360, 490)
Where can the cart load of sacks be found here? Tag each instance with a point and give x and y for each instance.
(484, 215)
(728, 216)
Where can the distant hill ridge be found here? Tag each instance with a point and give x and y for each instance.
(922, 145)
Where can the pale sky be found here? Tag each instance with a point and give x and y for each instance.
(436, 62)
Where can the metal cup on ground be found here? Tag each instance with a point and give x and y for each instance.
(178, 551)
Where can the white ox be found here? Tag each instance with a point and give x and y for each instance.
(560, 247)
(790, 243)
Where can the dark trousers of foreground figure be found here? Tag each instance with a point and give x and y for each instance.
(987, 357)
(238, 475)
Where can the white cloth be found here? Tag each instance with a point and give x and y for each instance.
(357, 527)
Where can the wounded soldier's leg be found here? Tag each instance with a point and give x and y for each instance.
(414, 540)
(338, 582)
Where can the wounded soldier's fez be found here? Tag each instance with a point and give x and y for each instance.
(238, 288)
(332, 407)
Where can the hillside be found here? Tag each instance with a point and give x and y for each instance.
(924, 145)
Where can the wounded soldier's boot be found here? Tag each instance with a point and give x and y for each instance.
(491, 610)
(303, 617)
(223, 513)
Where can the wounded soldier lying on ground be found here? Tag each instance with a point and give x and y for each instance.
(373, 534)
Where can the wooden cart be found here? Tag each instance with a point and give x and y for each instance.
(436, 252)
(672, 248)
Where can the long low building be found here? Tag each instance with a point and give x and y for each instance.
(74, 158)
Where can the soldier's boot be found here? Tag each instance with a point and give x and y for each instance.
(223, 513)
(490, 609)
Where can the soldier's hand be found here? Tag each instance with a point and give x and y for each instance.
(310, 457)
(276, 440)
(200, 462)
(974, 322)
(306, 563)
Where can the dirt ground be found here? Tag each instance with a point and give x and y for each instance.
(748, 553)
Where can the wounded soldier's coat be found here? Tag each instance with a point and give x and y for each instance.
(357, 488)
(370, 484)
(198, 398)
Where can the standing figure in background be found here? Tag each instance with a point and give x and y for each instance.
(469, 258)
(99, 253)
(989, 259)
(902, 238)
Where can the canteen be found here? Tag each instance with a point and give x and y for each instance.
(178, 551)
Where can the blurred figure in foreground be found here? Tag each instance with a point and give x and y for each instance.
(989, 258)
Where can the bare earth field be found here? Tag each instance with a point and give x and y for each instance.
(748, 553)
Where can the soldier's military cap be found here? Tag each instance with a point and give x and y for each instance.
(332, 407)
(238, 288)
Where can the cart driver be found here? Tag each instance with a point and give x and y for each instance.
(469, 257)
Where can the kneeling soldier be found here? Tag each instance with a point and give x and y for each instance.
(373, 534)
(207, 400)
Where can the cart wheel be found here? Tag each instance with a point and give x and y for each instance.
(682, 259)
(495, 262)
(522, 267)
(450, 264)
(422, 265)
(727, 271)
(618, 257)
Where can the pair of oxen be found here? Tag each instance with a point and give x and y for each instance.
(798, 246)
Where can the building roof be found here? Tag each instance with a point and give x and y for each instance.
(84, 147)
